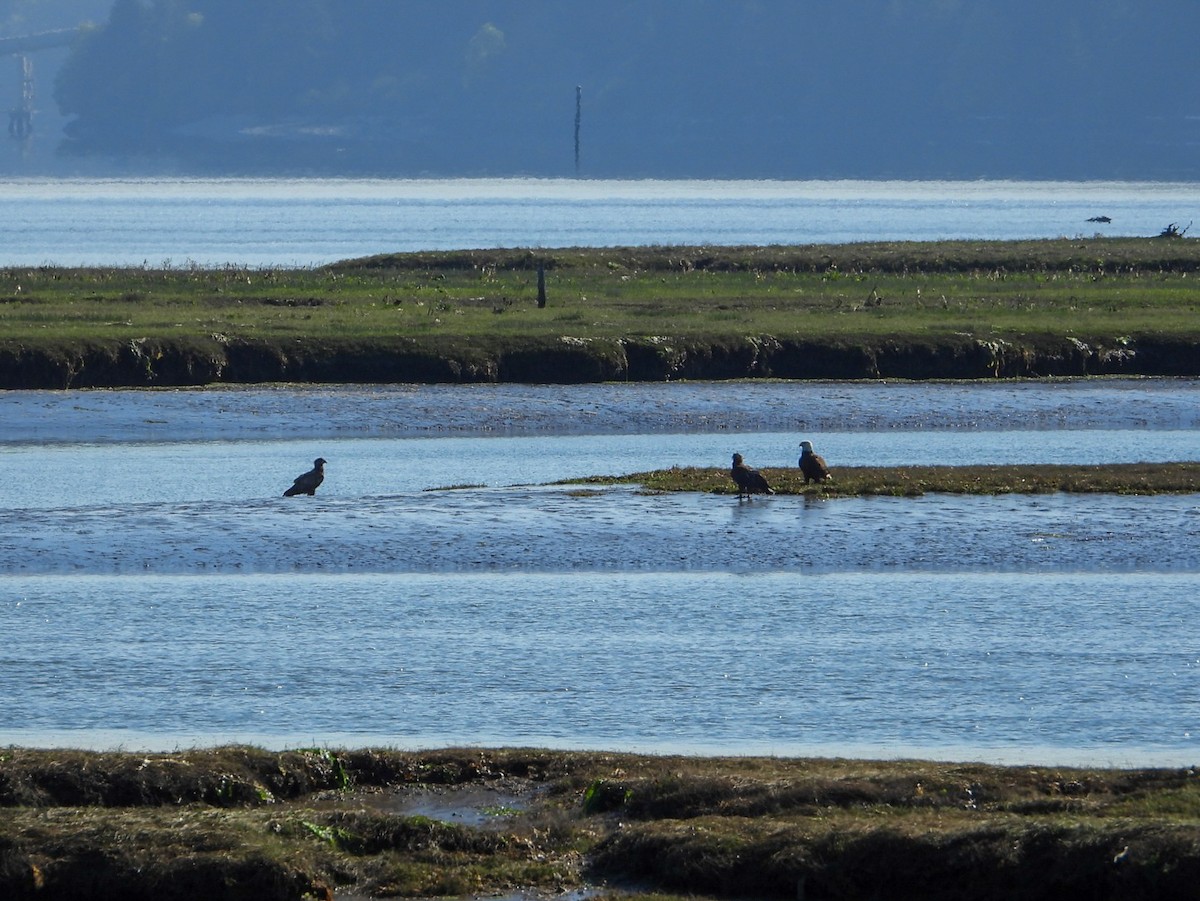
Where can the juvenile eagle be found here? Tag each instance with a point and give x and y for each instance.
(307, 483)
(812, 465)
(749, 481)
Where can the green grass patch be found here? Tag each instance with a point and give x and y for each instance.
(989, 289)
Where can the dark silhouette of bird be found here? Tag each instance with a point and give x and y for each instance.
(749, 481)
(812, 465)
(307, 483)
(1100, 219)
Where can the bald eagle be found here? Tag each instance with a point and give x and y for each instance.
(812, 465)
(307, 483)
(749, 481)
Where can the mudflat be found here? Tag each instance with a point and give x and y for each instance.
(912, 481)
(241, 822)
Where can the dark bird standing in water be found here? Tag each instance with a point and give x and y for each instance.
(749, 481)
(307, 483)
(812, 465)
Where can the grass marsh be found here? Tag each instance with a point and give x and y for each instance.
(1106, 287)
(853, 481)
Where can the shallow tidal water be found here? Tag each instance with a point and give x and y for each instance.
(1101, 666)
(156, 591)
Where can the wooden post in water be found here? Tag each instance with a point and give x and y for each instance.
(541, 286)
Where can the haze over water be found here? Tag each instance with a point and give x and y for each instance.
(302, 222)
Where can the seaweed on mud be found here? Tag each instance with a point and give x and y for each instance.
(708, 827)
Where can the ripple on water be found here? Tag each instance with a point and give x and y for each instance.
(617, 529)
(1037, 667)
(378, 411)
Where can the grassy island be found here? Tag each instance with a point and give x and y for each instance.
(910, 481)
(954, 309)
(243, 823)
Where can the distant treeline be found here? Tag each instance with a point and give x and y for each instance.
(704, 88)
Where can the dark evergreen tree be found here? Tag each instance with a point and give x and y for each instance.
(717, 88)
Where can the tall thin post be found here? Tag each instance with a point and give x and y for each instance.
(541, 285)
(578, 122)
(20, 118)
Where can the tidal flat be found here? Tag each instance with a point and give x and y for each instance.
(240, 822)
(913, 481)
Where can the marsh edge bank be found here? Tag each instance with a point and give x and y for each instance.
(569, 360)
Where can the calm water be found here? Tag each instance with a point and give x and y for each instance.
(156, 590)
(305, 222)
(1076, 665)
